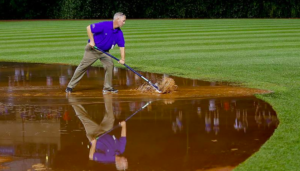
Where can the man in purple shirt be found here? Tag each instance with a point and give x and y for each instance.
(105, 35)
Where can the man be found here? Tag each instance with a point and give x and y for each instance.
(105, 35)
(105, 148)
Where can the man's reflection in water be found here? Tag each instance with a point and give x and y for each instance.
(105, 148)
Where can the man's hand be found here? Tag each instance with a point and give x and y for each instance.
(122, 124)
(93, 141)
(121, 61)
(92, 44)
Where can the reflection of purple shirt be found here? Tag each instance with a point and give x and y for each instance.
(107, 147)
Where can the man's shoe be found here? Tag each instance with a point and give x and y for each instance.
(69, 90)
(112, 90)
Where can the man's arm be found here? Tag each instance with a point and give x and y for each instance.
(92, 149)
(122, 140)
(90, 35)
(122, 52)
(123, 131)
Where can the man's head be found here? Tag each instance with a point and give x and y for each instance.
(119, 19)
(121, 163)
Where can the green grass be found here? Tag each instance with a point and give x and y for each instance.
(258, 53)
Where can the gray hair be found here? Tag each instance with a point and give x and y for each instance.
(118, 15)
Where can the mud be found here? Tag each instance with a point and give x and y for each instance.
(166, 85)
(200, 126)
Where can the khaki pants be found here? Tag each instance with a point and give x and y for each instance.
(93, 129)
(90, 57)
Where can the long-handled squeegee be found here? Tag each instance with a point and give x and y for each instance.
(149, 82)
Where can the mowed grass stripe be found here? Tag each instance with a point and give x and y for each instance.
(185, 51)
(166, 41)
(220, 39)
(46, 30)
(181, 46)
(177, 58)
(129, 32)
(210, 22)
(214, 31)
(202, 42)
(152, 54)
(225, 37)
(149, 27)
(187, 34)
(174, 47)
(20, 34)
(152, 32)
(219, 56)
(210, 33)
(43, 36)
(73, 25)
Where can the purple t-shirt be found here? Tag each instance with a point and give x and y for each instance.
(106, 37)
(107, 147)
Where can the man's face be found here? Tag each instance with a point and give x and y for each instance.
(121, 21)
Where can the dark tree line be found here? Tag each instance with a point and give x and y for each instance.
(103, 9)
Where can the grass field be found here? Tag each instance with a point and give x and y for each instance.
(259, 53)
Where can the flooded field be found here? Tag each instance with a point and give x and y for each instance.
(201, 126)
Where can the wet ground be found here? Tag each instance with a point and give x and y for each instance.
(201, 126)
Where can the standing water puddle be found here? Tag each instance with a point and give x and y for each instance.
(201, 126)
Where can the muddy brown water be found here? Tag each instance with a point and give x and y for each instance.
(201, 126)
